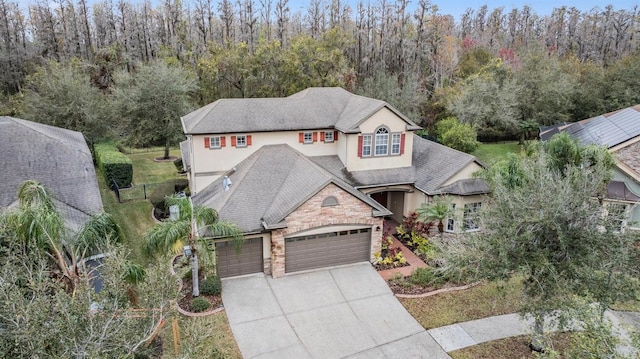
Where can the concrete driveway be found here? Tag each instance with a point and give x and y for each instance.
(341, 312)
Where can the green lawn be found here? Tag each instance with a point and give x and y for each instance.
(481, 301)
(490, 153)
(134, 216)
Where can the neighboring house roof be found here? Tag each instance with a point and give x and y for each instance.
(313, 108)
(269, 185)
(59, 159)
(608, 130)
(433, 165)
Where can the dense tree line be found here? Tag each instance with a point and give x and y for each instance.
(504, 72)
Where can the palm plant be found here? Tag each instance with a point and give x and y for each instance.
(37, 225)
(195, 226)
(439, 210)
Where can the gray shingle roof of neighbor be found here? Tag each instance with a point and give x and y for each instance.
(58, 158)
(269, 185)
(313, 108)
(608, 130)
(433, 165)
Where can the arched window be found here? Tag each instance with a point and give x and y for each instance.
(330, 201)
(382, 142)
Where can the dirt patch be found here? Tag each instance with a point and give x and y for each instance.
(162, 159)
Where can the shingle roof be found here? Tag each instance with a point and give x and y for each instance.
(270, 184)
(465, 187)
(58, 158)
(433, 165)
(313, 108)
(606, 130)
(185, 152)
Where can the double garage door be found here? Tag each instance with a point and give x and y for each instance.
(247, 261)
(327, 249)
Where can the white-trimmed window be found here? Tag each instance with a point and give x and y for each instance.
(395, 143)
(328, 136)
(382, 142)
(307, 137)
(215, 142)
(366, 145)
(241, 141)
(451, 222)
(471, 216)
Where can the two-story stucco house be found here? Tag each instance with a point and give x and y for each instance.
(310, 177)
(619, 131)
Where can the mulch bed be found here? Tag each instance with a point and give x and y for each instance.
(405, 287)
(187, 291)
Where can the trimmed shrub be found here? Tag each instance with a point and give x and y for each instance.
(157, 196)
(427, 277)
(211, 286)
(179, 165)
(113, 164)
(180, 184)
(199, 304)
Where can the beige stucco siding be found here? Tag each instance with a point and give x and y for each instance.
(384, 117)
(208, 164)
(464, 173)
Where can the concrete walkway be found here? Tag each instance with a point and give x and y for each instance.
(466, 334)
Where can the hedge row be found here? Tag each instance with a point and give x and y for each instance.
(113, 164)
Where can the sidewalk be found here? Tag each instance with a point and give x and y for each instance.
(466, 334)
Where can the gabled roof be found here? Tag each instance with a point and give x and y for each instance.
(270, 184)
(433, 165)
(608, 130)
(58, 158)
(310, 109)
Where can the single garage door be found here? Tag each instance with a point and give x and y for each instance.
(247, 261)
(327, 249)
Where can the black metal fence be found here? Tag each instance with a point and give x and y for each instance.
(134, 192)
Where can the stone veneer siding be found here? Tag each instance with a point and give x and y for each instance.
(311, 214)
(630, 156)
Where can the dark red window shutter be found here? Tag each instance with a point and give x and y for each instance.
(248, 140)
(359, 146)
(207, 142)
(402, 144)
(233, 141)
(322, 136)
(301, 137)
(315, 137)
(335, 135)
(223, 141)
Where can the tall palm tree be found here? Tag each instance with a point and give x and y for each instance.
(38, 225)
(438, 210)
(195, 226)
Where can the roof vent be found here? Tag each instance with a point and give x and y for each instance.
(226, 183)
